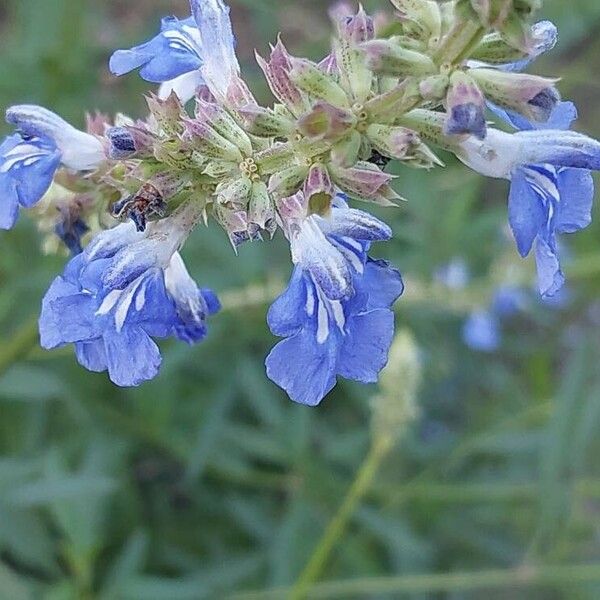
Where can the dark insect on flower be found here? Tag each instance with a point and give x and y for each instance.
(148, 202)
(70, 230)
(379, 159)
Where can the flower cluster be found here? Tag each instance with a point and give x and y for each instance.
(124, 195)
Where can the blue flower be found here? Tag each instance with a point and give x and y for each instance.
(27, 168)
(29, 159)
(335, 313)
(123, 290)
(186, 54)
(546, 200)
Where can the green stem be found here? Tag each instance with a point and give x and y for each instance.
(493, 579)
(359, 488)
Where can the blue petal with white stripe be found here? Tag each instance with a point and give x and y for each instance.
(112, 325)
(347, 333)
(176, 50)
(27, 168)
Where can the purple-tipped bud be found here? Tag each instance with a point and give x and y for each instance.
(364, 181)
(121, 143)
(357, 29)
(388, 58)
(326, 122)
(465, 107)
(329, 65)
(277, 71)
(264, 122)
(318, 190)
(238, 93)
(532, 96)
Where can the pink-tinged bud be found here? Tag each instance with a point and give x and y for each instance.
(326, 122)
(386, 57)
(340, 11)
(310, 79)
(236, 225)
(386, 108)
(392, 142)
(357, 29)
(167, 113)
(532, 96)
(203, 93)
(262, 211)
(465, 106)
(238, 93)
(234, 193)
(292, 208)
(423, 15)
(434, 87)
(364, 181)
(287, 182)
(345, 152)
(277, 71)
(223, 123)
(264, 122)
(209, 143)
(318, 190)
(329, 65)
(97, 124)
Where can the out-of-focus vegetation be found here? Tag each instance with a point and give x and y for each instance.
(208, 482)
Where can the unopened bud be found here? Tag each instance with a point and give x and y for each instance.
(262, 211)
(465, 107)
(309, 78)
(532, 96)
(264, 122)
(364, 181)
(393, 142)
(167, 113)
(357, 29)
(396, 405)
(234, 193)
(345, 152)
(387, 107)
(387, 57)
(223, 123)
(287, 182)
(424, 15)
(209, 143)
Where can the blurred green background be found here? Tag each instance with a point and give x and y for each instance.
(209, 482)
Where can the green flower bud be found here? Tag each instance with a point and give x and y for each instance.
(310, 79)
(387, 57)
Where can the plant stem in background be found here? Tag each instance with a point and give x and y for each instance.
(335, 530)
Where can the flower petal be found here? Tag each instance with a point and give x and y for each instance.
(576, 187)
(550, 275)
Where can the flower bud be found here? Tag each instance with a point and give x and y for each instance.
(264, 122)
(277, 72)
(318, 190)
(278, 157)
(386, 107)
(396, 405)
(434, 87)
(326, 122)
(465, 106)
(393, 142)
(167, 113)
(287, 182)
(424, 15)
(234, 193)
(236, 225)
(363, 181)
(386, 57)
(357, 29)
(223, 123)
(532, 96)
(209, 143)
(121, 143)
(238, 93)
(261, 211)
(309, 78)
(345, 152)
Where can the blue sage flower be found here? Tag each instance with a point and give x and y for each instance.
(336, 312)
(123, 290)
(186, 54)
(29, 159)
(552, 188)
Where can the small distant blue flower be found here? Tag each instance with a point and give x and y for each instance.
(455, 275)
(481, 331)
(186, 54)
(27, 168)
(335, 313)
(123, 290)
